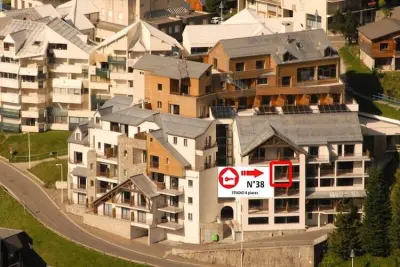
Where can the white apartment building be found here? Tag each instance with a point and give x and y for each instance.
(329, 169)
(269, 8)
(143, 173)
(44, 75)
(19, 4)
(111, 70)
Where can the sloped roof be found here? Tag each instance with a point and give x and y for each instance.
(85, 7)
(301, 129)
(170, 67)
(161, 138)
(138, 28)
(33, 13)
(183, 126)
(312, 45)
(381, 28)
(130, 116)
(336, 194)
(145, 185)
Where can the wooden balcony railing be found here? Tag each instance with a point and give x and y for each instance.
(141, 136)
(154, 164)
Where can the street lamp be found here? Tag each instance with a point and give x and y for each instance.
(62, 189)
(29, 150)
(221, 6)
(352, 255)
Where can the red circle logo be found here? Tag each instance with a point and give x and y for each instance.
(228, 178)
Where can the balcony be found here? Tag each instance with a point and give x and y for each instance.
(172, 191)
(31, 85)
(14, 98)
(106, 174)
(353, 156)
(141, 136)
(115, 75)
(76, 161)
(326, 208)
(348, 173)
(116, 60)
(207, 149)
(169, 225)
(171, 208)
(34, 113)
(78, 187)
(8, 127)
(100, 85)
(34, 99)
(10, 113)
(10, 83)
(258, 209)
(288, 209)
(318, 158)
(67, 98)
(109, 154)
(102, 72)
(208, 165)
(65, 68)
(154, 164)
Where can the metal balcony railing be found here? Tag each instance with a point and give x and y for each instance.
(154, 164)
(10, 113)
(105, 73)
(8, 127)
(141, 136)
(116, 60)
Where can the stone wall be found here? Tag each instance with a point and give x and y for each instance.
(294, 256)
(91, 183)
(129, 157)
(156, 235)
(75, 209)
(256, 235)
(115, 226)
(207, 229)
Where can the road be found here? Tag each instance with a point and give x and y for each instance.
(29, 193)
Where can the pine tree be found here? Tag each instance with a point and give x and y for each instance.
(338, 22)
(395, 224)
(212, 5)
(346, 236)
(377, 215)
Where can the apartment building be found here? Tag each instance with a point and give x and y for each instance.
(279, 72)
(319, 13)
(112, 64)
(329, 165)
(144, 173)
(44, 68)
(19, 4)
(176, 86)
(379, 44)
(268, 8)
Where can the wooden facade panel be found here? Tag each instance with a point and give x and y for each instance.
(377, 52)
(167, 164)
(218, 53)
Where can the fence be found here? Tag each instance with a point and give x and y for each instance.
(36, 157)
(386, 98)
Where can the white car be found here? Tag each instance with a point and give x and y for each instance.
(216, 20)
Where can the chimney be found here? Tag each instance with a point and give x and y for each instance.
(143, 105)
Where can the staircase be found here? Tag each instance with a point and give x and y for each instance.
(238, 83)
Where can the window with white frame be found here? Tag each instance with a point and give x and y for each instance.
(110, 14)
(313, 21)
(81, 199)
(185, 142)
(125, 213)
(190, 216)
(107, 209)
(177, 28)
(175, 140)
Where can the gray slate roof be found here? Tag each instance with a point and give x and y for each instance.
(148, 188)
(337, 194)
(301, 129)
(381, 28)
(169, 67)
(159, 135)
(313, 42)
(180, 10)
(130, 116)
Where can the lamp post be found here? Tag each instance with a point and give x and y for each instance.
(352, 255)
(62, 189)
(29, 151)
(221, 6)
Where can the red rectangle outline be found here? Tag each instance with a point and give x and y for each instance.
(290, 173)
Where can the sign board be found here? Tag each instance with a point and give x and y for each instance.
(244, 182)
(251, 182)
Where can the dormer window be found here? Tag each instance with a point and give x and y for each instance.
(97, 120)
(329, 52)
(37, 43)
(288, 57)
(77, 136)
(299, 45)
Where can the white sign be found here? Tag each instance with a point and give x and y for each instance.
(245, 182)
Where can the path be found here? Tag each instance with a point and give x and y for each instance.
(36, 200)
(24, 166)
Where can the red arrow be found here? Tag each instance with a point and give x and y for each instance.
(254, 173)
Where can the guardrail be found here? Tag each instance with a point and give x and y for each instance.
(386, 98)
(36, 157)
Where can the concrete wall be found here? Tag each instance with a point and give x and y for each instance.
(368, 61)
(137, 232)
(115, 226)
(294, 256)
(75, 209)
(156, 235)
(210, 228)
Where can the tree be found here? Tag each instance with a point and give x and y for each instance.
(395, 224)
(377, 215)
(212, 5)
(338, 22)
(350, 26)
(346, 235)
(381, 3)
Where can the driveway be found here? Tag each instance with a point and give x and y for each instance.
(29, 193)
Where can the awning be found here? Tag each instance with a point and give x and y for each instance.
(80, 171)
(337, 194)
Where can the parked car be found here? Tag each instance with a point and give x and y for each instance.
(216, 20)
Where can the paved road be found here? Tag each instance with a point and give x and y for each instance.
(38, 202)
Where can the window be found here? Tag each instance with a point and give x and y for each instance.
(190, 216)
(37, 43)
(141, 216)
(305, 74)
(130, 83)
(240, 66)
(290, 99)
(262, 81)
(313, 21)
(125, 172)
(265, 100)
(167, 160)
(384, 46)
(190, 183)
(81, 199)
(107, 209)
(309, 216)
(159, 87)
(159, 104)
(185, 142)
(286, 81)
(313, 150)
(288, 57)
(177, 28)
(326, 72)
(349, 150)
(91, 183)
(260, 64)
(125, 214)
(77, 136)
(314, 99)
(97, 120)
(190, 200)
(170, 29)
(258, 220)
(91, 166)
(215, 63)
(175, 140)
(98, 145)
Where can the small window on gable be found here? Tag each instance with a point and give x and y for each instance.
(175, 140)
(185, 142)
(125, 153)
(37, 43)
(288, 57)
(97, 120)
(77, 136)
(329, 51)
(299, 45)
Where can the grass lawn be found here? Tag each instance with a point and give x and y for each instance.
(362, 261)
(41, 143)
(49, 173)
(55, 250)
(350, 56)
(2, 138)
